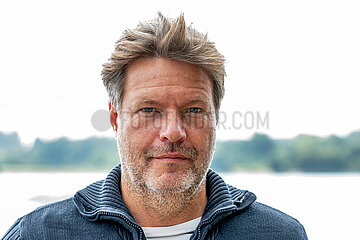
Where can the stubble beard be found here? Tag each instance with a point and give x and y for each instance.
(166, 197)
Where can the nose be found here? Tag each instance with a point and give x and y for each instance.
(172, 129)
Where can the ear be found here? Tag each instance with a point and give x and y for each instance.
(113, 116)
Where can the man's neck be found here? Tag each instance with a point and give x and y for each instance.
(152, 209)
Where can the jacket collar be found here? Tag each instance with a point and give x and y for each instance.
(102, 199)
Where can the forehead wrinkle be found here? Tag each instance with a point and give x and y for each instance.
(141, 100)
(168, 82)
(203, 93)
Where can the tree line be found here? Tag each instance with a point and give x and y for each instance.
(304, 153)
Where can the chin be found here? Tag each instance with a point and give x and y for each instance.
(176, 182)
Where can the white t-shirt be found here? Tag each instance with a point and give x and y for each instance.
(181, 231)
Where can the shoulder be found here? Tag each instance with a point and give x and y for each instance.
(259, 221)
(60, 220)
(266, 214)
(13, 233)
(57, 213)
(32, 220)
(55, 209)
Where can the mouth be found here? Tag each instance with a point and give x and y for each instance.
(172, 156)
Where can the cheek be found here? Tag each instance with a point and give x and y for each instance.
(202, 138)
(138, 134)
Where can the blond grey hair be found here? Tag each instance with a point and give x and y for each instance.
(167, 38)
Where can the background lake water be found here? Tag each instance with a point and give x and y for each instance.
(328, 205)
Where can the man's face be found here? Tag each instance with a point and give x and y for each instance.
(166, 126)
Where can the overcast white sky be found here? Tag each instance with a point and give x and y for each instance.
(298, 61)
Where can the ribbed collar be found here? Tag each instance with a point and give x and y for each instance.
(102, 199)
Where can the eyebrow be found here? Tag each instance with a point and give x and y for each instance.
(141, 101)
(145, 101)
(197, 100)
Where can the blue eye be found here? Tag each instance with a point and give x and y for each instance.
(147, 110)
(194, 110)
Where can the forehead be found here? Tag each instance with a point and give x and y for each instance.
(165, 77)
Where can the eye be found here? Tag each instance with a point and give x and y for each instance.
(147, 110)
(195, 110)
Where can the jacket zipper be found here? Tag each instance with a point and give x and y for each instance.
(126, 220)
(211, 219)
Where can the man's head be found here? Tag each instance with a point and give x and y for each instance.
(165, 83)
(166, 38)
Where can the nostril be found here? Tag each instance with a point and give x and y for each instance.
(172, 130)
(172, 135)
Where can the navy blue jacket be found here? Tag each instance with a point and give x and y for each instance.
(98, 212)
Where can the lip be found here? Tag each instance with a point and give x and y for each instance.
(172, 155)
